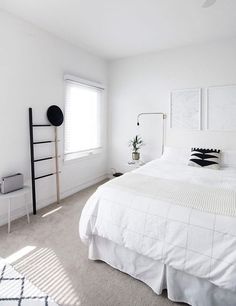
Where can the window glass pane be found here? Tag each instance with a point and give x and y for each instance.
(82, 118)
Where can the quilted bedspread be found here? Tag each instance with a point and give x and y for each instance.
(184, 220)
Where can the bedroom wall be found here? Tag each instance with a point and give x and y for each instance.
(33, 63)
(143, 84)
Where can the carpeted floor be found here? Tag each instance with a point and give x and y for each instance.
(49, 252)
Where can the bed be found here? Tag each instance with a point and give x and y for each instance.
(171, 226)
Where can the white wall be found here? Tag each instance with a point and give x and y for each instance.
(143, 84)
(32, 65)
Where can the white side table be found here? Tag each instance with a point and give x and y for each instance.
(134, 164)
(9, 196)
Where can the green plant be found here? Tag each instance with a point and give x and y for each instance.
(136, 143)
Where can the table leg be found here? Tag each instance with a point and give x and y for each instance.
(9, 215)
(26, 208)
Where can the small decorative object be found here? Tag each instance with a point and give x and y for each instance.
(55, 115)
(136, 143)
(12, 183)
(115, 173)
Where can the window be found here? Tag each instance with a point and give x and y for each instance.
(82, 118)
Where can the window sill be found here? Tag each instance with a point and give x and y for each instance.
(81, 158)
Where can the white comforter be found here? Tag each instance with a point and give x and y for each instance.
(195, 241)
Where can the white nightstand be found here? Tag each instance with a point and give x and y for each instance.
(134, 164)
(15, 194)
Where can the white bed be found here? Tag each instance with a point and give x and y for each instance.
(171, 226)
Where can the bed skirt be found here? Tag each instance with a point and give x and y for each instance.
(181, 287)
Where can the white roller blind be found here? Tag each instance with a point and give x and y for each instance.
(82, 119)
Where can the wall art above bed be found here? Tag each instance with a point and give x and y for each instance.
(221, 108)
(186, 109)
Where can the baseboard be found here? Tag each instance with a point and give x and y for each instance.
(85, 185)
(20, 212)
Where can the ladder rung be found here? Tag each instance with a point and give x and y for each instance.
(45, 158)
(46, 175)
(41, 125)
(42, 176)
(46, 141)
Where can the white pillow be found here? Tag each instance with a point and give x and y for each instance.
(228, 158)
(176, 155)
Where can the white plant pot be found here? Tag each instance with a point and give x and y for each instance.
(135, 155)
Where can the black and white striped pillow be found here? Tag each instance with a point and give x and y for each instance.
(208, 158)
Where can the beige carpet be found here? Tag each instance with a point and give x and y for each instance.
(49, 252)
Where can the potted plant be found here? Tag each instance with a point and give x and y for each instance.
(136, 143)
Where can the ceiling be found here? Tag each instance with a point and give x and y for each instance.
(119, 28)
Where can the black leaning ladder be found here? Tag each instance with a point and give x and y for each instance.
(33, 160)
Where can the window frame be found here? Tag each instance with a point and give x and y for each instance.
(92, 153)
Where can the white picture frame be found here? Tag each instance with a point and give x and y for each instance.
(221, 108)
(186, 109)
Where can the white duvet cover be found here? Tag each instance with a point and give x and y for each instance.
(196, 241)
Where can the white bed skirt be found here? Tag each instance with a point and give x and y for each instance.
(181, 287)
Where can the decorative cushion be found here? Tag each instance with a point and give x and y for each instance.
(208, 158)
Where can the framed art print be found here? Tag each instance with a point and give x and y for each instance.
(186, 109)
(221, 108)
